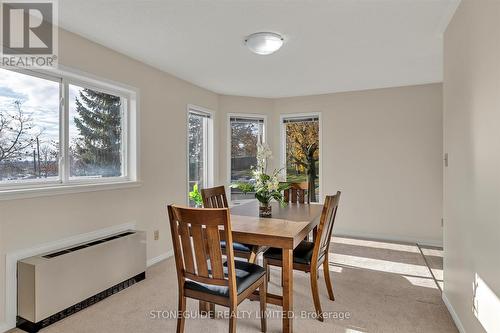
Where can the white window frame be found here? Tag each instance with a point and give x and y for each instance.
(64, 184)
(228, 133)
(283, 143)
(208, 151)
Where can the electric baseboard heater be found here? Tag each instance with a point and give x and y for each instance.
(54, 285)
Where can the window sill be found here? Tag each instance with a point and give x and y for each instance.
(52, 190)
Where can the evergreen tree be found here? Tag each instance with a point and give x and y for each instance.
(99, 146)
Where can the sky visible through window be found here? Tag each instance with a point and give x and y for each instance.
(40, 100)
(29, 129)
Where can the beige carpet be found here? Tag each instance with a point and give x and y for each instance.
(382, 287)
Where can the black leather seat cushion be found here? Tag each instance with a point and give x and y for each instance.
(246, 275)
(301, 255)
(238, 246)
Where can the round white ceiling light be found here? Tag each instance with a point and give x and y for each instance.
(264, 43)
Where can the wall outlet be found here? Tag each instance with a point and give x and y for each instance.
(157, 234)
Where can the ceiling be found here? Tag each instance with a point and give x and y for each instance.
(330, 46)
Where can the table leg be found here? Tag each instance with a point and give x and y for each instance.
(287, 290)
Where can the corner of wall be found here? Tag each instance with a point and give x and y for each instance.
(453, 313)
(161, 257)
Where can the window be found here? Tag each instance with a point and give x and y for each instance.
(301, 151)
(58, 130)
(95, 134)
(245, 133)
(200, 137)
(29, 128)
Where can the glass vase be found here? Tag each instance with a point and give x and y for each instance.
(265, 210)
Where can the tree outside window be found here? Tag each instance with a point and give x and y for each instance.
(95, 133)
(29, 128)
(302, 153)
(246, 133)
(30, 109)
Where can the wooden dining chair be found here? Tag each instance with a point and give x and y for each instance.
(296, 193)
(308, 256)
(201, 273)
(215, 197)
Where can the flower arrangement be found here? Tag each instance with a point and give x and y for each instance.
(266, 186)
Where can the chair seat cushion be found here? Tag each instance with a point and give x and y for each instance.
(301, 255)
(246, 275)
(238, 246)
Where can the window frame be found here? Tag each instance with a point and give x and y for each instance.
(228, 133)
(208, 151)
(64, 184)
(285, 116)
(124, 136)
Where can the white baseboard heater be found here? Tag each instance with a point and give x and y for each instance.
(54, 285)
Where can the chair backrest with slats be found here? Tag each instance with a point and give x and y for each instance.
(296, 193)
(196, 236)
(214, 197)
(324, 234)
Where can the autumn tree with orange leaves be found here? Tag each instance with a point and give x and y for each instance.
(302, 151)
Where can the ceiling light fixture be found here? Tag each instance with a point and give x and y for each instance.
(264, 43)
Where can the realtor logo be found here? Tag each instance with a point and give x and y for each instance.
(29, 33)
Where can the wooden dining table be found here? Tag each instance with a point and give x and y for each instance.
(287, 227)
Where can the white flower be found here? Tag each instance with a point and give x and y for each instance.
(263, 153)
(257, 173)
(264, 150)
(273, 186)
(268, 186)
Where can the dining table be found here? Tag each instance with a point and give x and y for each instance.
(285, 229)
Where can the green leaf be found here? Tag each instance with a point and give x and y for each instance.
(243, 187)
(283, 186)
(195, 196)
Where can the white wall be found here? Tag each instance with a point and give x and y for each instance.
(382, 148)
(163, 100)
(472, 140)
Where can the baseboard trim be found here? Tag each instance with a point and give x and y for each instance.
(161, 257)
(383, 237)
(11, 259)
(453, 314)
